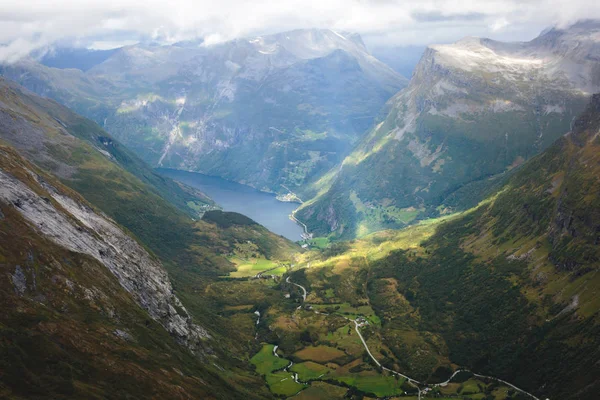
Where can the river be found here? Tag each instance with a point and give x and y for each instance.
(262, 207)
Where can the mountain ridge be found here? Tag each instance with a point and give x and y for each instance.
(468, 114)
(104, 239)
(204, 108)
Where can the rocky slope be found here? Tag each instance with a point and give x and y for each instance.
(473, 110)
(75, 226)
(269, 111)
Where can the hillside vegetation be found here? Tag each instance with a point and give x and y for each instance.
(474, 111)
(507, 289)
(95, 170)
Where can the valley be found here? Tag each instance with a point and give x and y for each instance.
(402, 313)
(334, 358)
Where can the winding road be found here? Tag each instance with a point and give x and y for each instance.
(410, 380)
(301, 287)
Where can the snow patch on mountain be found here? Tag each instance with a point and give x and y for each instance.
(470, 54)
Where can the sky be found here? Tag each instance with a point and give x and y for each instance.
(28, 25)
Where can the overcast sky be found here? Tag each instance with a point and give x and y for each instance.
(26, 25)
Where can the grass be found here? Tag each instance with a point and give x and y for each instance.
(320, 354)
(308, 371)
(318, 242)
(379, 245)
(348, 310)
(376, 217)
(250, 267)
(375, 383)
(265, 362)
(346, 338)
(283, 384)
(471, 386)
(321, 391)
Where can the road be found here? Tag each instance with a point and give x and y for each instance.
(410, 380)
(304, 292)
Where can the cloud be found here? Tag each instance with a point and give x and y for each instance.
(437, 16)
(27, 25)
(499, 24)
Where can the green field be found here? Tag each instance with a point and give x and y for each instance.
(321, 391)
(348, 310)
(266, 362)
(318, 242)
(283, 384)
(377, 384)
(246, 268)
(319, 353)
(308, 371)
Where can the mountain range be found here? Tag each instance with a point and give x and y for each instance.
(472, 112)
(265, 111)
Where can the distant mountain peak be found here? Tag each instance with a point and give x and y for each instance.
(477, 99)
(310, 43)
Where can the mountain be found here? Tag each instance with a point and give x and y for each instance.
(272, 111)
(103, 261)
(473, 111)
(78, 58)
(402, 59)
(512, 287)
(119, 283)
(89, 312)
(71, 138)
(506, 292)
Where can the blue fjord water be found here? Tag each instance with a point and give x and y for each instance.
(262, 207)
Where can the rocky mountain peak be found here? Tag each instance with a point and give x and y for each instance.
(312, 43)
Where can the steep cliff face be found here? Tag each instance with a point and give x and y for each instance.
(473, 110)
(73, 224)
(266, 111)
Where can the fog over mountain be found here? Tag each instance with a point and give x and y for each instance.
(37, 24)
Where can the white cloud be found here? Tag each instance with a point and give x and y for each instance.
(499, 24)
(29, 24)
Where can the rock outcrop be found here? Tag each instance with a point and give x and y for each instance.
(73, 224)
